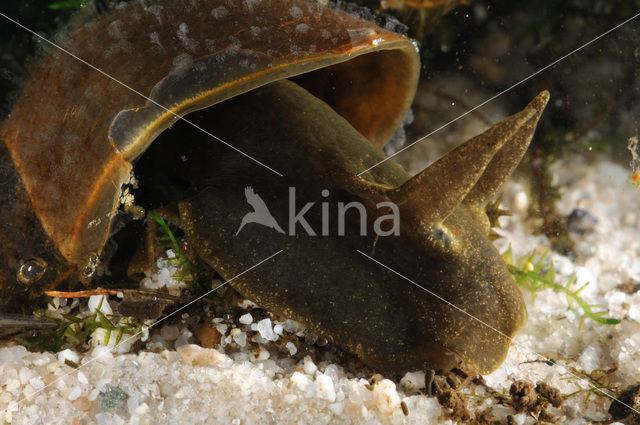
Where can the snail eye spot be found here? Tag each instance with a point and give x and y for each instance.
(443, 237)
(31, 270)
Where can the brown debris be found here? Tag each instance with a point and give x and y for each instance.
(143, 307)
(479, 380)
(523, 396)
(451, 400)
(102, 291)
(208, 335)
(545, 417)
(629, 287)
(430, 389)
(552, 394)
(453, 381)
(460, 372)
(624, 405)
(485, 418)
(405, 408)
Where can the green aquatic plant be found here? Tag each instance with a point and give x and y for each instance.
(597, 383)
(74, 331)
(169, 240)
(199, 275)
(67, 4)
(537, 273)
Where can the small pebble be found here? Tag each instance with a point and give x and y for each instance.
(142, 409)
(82, 403)
(265, 330)
(170, 333)
(157, 343)
(68, 355)
(100, 300)
(222, 328)
(309, 366)
(324, 388)
(336, 408)
(102, 353)
(300, 380)
(74, 394)
(246, 319)
(262, 354)
(54, 304)
(634, 313)
(589, 359)
(562, 264)
(412, 382)
(180, 341)
(584, 276)
(208, 335)
(112, 397)
(239, 337)
(107, 418)
(291, 347)
(198, 356)
(36, 383)
(386, 397)
(82, 378)
(93, 394)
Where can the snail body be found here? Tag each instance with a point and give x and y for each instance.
(298, 97)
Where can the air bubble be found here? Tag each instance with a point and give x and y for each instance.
(92, 265)
(31, 270)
